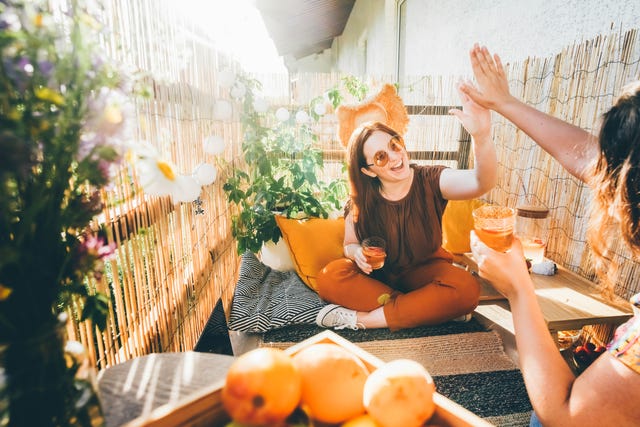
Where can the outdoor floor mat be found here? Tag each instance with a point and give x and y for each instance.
(466, 361)
(298, 333)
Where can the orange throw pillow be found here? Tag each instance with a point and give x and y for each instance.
(457, 223)
(313, 243)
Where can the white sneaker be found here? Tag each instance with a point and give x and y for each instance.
(464, 318)
(338, 317)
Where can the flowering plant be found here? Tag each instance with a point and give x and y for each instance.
(64, 126)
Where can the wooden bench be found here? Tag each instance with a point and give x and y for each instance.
(568, 302)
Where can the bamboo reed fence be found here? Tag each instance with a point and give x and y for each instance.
(175, 262)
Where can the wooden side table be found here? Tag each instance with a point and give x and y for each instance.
(567, 300)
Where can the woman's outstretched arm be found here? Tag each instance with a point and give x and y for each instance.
(606, 393)
(570, 145)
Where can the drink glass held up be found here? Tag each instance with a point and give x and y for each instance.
(374, 248)
(494, 226)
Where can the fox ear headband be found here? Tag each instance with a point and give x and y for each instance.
(386, 107)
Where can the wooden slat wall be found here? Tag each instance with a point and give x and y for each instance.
(173, 262)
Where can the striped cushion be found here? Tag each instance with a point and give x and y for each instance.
(266, 299)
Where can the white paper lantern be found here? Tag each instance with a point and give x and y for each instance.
(260, 105)
(222, 110)
(302, 117)
(226, 78)
(282, 114)
(205, 173)
(188, 189)
(331, 117)
(213, 144)
(320, 109)
(238, 90)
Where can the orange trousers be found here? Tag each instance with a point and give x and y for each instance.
(427, 294)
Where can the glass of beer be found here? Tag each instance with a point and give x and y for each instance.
(374, 248)
(494, 226)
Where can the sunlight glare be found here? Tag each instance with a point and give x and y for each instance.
(238, 29)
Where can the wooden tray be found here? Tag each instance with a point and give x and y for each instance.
(205, 407)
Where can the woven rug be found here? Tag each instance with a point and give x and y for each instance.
(467, 362)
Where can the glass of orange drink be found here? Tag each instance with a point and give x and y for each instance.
(374, 248)
(494, 226)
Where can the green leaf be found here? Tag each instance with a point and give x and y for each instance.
(96, 308)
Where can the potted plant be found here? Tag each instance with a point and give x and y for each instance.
(281, 177)
(64, 128)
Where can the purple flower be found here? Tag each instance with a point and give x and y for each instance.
(91, 253)
(46, 68)
(97, 247)
(25, 65)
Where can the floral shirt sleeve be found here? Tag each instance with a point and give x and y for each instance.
(626, 341)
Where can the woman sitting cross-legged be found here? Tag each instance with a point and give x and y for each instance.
(403, 203)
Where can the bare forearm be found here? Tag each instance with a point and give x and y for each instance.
(547, 376)
(462, 184)
(570, 145)
(485, 163)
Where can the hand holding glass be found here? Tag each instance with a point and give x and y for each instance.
(374, 248)
(494, 226)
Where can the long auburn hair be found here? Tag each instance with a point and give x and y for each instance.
(363, 188)
(615, 180)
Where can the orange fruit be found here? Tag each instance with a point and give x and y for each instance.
(364, 420)
(332, 382)
(400, 394)
(262, 387)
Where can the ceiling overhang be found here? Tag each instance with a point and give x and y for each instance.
(301, 28)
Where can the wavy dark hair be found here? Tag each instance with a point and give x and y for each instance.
(363, 188)
(615, 180)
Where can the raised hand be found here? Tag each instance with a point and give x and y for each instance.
(493, 87)
(475, 118)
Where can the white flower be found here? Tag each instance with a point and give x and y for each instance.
(10, 20)
(282, 114)
(320, 109)
(205, 173)
(213, 144)
(160, 177)
(109, 125)
(226, 78)
(111, 113)
(238, 90)
(222, 110)
(302, 117)
(260, 105)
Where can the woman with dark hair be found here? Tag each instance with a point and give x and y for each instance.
(403, 203)
(608, 391)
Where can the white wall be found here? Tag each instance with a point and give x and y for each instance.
(367, 44)
(440, 33)
(316, 63)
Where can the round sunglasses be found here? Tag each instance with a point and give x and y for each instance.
(381, 158)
